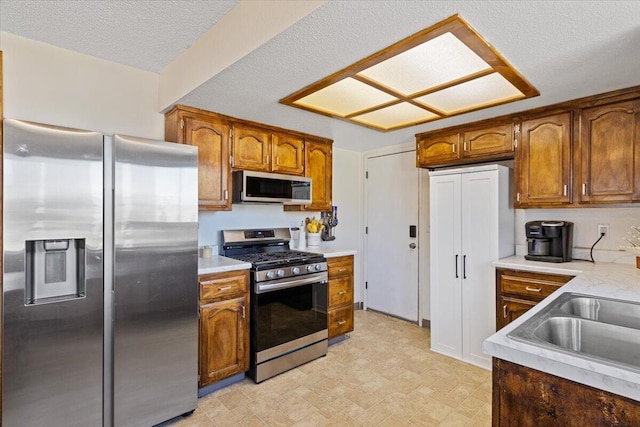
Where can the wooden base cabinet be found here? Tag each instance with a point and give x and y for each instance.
(224, 326)
(340, 309)
(525, 397)
(471, 225)
(517, 291)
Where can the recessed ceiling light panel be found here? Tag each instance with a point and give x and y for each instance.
(395, 116)
(472, 95)
(447, 69)
(437, 61)
(345, 97)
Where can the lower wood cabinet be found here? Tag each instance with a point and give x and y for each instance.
(340, 310)
(526, 397)
(224, 326)
(517, 291)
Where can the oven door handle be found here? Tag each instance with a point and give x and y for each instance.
(271, 287)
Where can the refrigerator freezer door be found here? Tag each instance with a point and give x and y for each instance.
(52, 332)
(156, 283)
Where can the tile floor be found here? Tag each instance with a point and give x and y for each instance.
(382, 375)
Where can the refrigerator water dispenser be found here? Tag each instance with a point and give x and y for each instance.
(55, 270)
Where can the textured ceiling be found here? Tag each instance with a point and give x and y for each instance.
(145, 34)
(566, 49)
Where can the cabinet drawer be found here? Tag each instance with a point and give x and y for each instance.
(536, 286)
(222, 285)
(340, 266)
(340, 321)
(340, 291)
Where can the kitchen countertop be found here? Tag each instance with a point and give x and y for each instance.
(218, 264)
(617, 281)
(330, 252)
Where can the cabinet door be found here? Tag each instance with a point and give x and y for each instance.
(251, 148)
(211, 138)
(509, 309)
(610, 153)
(318, 168)
(287, 154)
(224, 340)
(438, 150)
(446, 259)
(481, 231)
(491, 142)
(543, 165)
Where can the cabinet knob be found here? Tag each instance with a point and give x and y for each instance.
(342, 292)
(530, 289)
(504, 311)
(342, 322)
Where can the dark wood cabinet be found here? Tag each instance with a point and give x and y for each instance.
(543, 162)
(223, 346)
(610, 153)
(517, 291)
(211, 136)
(489, 142)
(526, 397)
(340, 308)
(438, 149)
(483, 141)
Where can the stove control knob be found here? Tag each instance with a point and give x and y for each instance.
(318, 267)
(309, 268)
(280, 273)
(295, 270)
(270, 274)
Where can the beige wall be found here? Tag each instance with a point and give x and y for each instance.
(46, 84)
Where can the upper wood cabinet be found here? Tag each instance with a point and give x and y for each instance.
(459, 145)
(251, 148)
(211, 136)
(490, 142)
(610, 153)
(287, 154)
(226, 142)
(262, 150)
(438, 150)
(318, 155)
(318, 164)
(543, 161)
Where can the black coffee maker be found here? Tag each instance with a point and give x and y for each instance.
(549, 241)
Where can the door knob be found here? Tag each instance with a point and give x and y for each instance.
(412, 245)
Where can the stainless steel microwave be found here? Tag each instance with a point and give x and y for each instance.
(262, 187)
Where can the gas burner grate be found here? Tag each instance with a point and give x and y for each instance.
(282, 257)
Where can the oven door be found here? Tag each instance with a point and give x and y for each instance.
(288, 315)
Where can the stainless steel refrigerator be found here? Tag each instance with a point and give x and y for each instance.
(99, 319)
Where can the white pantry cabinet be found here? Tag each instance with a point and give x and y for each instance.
(471, 224)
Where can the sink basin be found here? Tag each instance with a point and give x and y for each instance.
(616, 312)
(601, 340)
(593, 328)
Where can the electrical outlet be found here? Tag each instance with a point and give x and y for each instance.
(603, 228)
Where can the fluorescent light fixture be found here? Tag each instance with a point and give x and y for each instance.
(442, 71)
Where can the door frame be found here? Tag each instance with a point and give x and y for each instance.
(423, 229)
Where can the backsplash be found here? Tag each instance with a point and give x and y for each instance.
(585, 230)
(243, 217)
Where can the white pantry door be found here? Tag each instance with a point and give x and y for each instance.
(392, 262)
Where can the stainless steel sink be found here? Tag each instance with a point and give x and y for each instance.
(622, 313)
(593, 328)
(600, 340)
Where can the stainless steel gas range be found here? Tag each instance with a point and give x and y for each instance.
(288, 300)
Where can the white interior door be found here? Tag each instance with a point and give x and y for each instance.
(392, 255)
